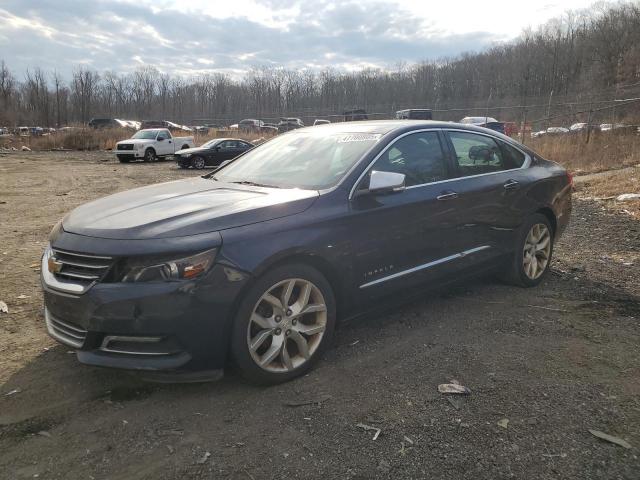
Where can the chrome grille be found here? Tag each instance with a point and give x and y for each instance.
(80, 266)
(65, 331)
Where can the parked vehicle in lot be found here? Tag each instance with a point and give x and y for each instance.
(113, 123)
(255, 261)
(618, 128)
(320, 121)
(212, 153)
(289, 123)
(486, 122)
(414, 114)
(173, 127)
(578, 127)
(556, 131)
(150, 145)
(538, 134)
(269, 129)
(250, 125)
(355, 115)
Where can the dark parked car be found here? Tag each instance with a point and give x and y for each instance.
(355, 115)
(255, 262)
(212, 153)
(414, 114)
(289, 123)
(487, 122)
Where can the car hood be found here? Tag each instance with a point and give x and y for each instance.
(184, 207)
(191, 151)
(137, 140)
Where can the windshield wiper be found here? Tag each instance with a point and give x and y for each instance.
(255, 184)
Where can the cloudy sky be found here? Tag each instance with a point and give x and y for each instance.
(197, 36)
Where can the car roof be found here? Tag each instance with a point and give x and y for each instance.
(229, 138)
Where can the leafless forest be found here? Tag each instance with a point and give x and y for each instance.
(582, 61)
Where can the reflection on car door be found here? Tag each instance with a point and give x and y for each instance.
(489, 182)
(409, 236)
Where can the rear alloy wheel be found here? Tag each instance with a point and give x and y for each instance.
(150, 155)
(283, 324)
(198, 163)
(537, 251)
(530, 262)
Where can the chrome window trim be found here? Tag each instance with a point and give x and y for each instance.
(526, 164)
(389, 145)
(424, 266)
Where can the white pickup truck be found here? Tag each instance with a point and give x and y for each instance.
(150, 145)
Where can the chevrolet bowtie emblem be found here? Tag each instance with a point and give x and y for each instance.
(54, 265)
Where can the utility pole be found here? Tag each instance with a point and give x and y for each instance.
(549, 108)
(589, 121)
(486, 111)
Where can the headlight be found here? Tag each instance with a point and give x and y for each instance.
(158, 270)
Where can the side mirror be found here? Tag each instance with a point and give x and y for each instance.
(384, 182)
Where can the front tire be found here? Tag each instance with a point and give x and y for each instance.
(150, 155)
(198, 163)
(283, 324)
(529, 264)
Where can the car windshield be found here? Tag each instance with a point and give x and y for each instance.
(305, 160)
(146, 134)
(210, 143)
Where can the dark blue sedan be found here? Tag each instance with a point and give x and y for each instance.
(255, 262)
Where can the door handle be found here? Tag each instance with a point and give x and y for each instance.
(447, 195)
(511, 185)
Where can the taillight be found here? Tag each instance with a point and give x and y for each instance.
(570, 179)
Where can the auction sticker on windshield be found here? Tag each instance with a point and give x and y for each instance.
(359, 137)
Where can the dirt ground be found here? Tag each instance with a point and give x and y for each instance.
(555, 361)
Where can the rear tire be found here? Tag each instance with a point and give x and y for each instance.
(273, 340)
(530, 261)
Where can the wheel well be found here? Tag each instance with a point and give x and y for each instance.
(150, 148)
(547, 212)
(320, 264)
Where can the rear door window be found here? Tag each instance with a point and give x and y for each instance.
(477, 154)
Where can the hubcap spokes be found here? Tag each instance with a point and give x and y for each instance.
(287, 325)
(536, 251)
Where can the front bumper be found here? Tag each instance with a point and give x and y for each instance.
(129, 154)
(176, 327)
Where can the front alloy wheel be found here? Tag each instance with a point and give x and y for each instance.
(283, 324)
(150, 155)
(198, 163)
(287, 325)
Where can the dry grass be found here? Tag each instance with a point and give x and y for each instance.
(605, 151)
(102, 139)
(606, 187)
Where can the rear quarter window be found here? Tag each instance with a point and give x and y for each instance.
(511, 156)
